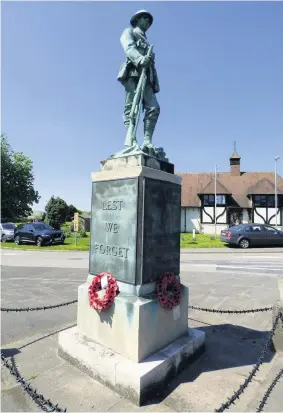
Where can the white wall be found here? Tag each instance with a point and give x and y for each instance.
(257, 219)
(271, 211)
(210, 228)
(223, 218)
(193, 220)
(206, 218)
(192, 216)
(246, 219)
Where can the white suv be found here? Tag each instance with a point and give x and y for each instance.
(7, 230)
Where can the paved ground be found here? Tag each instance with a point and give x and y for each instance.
(241, 279)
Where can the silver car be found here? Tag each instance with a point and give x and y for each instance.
(7, 230)
(251, 235)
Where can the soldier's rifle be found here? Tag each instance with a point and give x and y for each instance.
(136, 105)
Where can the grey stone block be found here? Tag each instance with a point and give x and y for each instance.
(136, 160)
(138, 382)
(135, 229)
(134, 327)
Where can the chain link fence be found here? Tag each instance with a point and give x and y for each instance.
(48, 406)
(45, 307)
(269, 390)
(255, 369)
(193, 307)
(45, 404)
(212, 310)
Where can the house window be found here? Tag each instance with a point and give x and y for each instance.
(271, 201)
(264, 200)
(220, 200)
(208, 200)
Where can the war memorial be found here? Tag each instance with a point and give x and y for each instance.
(132, 320)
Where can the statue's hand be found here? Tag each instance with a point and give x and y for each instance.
(145, 61)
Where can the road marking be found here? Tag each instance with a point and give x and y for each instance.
(249, 268)
(235, 265)
(261, 256)
(198, 265)
(42, 279)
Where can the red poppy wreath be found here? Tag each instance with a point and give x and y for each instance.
(168, 290)
(112, 290)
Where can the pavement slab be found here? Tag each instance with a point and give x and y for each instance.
(203, 386)
(277, 392)
(233, 342)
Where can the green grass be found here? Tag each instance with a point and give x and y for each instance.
(82, 245)
(201, 241)
(187, 241)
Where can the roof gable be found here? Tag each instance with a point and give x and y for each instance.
(263, 187)
(238, 186)
(210, 188)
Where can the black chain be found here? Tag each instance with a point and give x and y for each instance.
(212, 310)
(269, 390)
(208, 310)
(46, 307)
(273, 384)
(255, 369)
(45, 404)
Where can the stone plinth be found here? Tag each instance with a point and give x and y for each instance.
(138, 382)
(135, 230)
(134, 327)
(136, 346)
(137, 160)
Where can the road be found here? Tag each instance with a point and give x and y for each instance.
(221, 279)
(265, 260)
(32, 278)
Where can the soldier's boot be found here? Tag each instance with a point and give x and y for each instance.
(149, 126)
(134, 140)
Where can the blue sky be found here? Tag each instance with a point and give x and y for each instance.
(220, 68)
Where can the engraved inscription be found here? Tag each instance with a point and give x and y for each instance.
(112, 227)
(112, 205)
(113, 250)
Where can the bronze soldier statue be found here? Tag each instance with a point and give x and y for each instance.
(140, 64)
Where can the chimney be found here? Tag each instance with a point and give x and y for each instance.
(235, 164)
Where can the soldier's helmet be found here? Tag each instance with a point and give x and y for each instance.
(139, 14)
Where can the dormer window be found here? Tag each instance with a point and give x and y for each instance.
(220, 199)
(208, 200)
(264, 200)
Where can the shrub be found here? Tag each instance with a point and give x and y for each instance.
(82, 233)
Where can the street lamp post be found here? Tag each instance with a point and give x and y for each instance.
(275, 183)
(215, 201)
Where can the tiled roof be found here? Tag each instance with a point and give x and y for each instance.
(210, 188)
(264, 186)
(239, 186)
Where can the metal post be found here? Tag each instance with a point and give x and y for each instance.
(275, 184)
(215, 203)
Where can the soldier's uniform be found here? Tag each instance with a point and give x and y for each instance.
(135, 45)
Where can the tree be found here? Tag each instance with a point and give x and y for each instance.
(37, 215)
(56, 212)
(17, 180)
(71, 210)
(86, 213)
